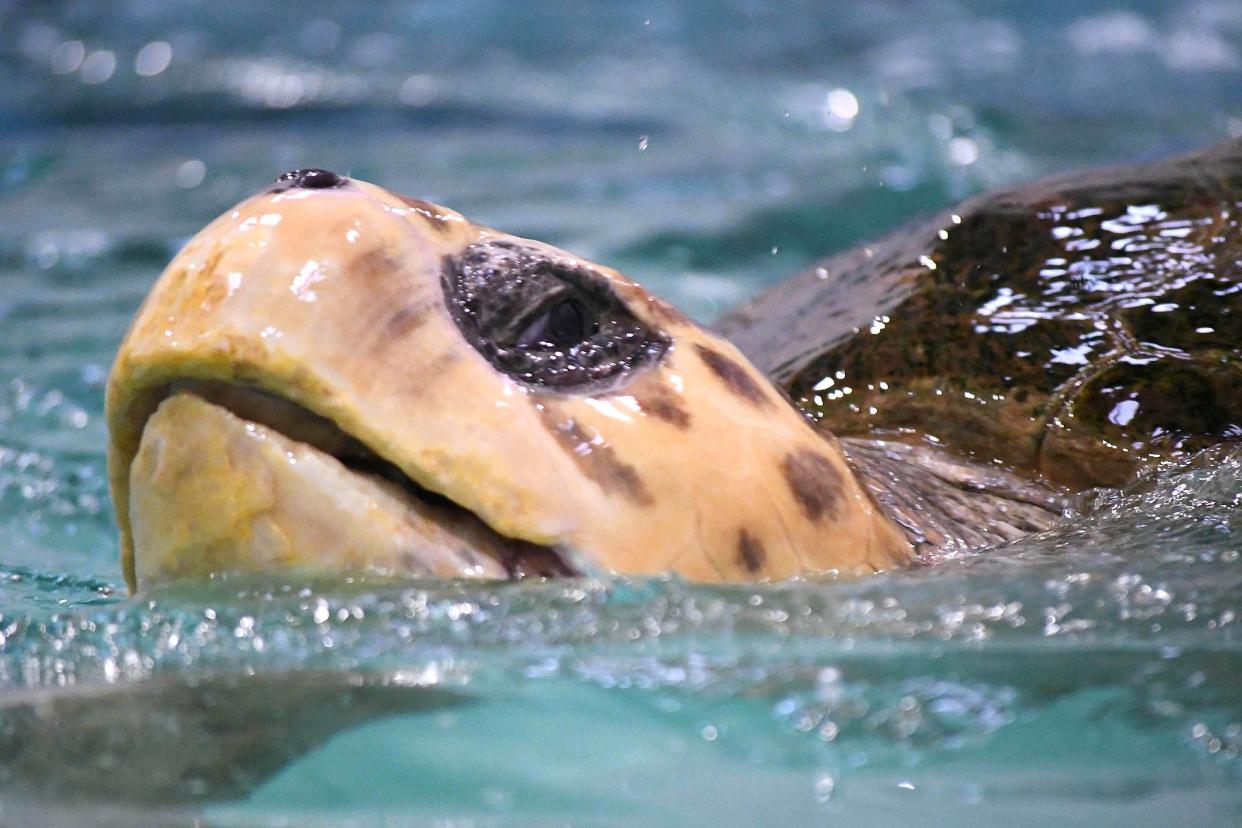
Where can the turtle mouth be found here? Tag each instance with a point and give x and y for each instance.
(358, 508)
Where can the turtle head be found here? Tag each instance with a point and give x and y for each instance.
(333, 375)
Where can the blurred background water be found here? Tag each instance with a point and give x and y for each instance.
(1090, 675)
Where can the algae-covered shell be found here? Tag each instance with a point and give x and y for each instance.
(1079, 326)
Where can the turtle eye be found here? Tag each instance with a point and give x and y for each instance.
(565, 324)
(543, 321)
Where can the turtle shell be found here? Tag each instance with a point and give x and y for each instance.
(1079, 327)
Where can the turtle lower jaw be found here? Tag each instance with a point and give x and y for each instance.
(231, 478)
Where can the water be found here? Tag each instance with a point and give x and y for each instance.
(1087, 675)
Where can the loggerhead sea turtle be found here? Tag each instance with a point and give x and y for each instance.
(334, 376)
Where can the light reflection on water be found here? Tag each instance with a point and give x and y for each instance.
(1086, 675)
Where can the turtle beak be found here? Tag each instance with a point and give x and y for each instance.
(210, 490)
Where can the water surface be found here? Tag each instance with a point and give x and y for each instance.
(1087, 675)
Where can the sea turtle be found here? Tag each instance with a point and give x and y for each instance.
(332, 375)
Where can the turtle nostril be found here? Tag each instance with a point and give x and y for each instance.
(311, 179)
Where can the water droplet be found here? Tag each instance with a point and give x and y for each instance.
(963, 151)
(191, 173)
(840, 109)
(153, 58)
(417, 90)
(68, 56)
(98, 67)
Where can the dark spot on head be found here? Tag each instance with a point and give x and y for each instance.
(595, 458)
(815, 482)
(667, 410)
(750, 552)
(735, 377)
(374, 265)
(660, 402)
(430, 212)
(309, 179)
(417, 203)
(404, 321)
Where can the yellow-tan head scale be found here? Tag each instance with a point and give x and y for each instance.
(329, 353)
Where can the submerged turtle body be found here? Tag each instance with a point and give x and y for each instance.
(1077, 327)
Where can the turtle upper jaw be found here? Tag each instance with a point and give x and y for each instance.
(230, 478)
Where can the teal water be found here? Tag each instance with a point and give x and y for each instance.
(1090, 675)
